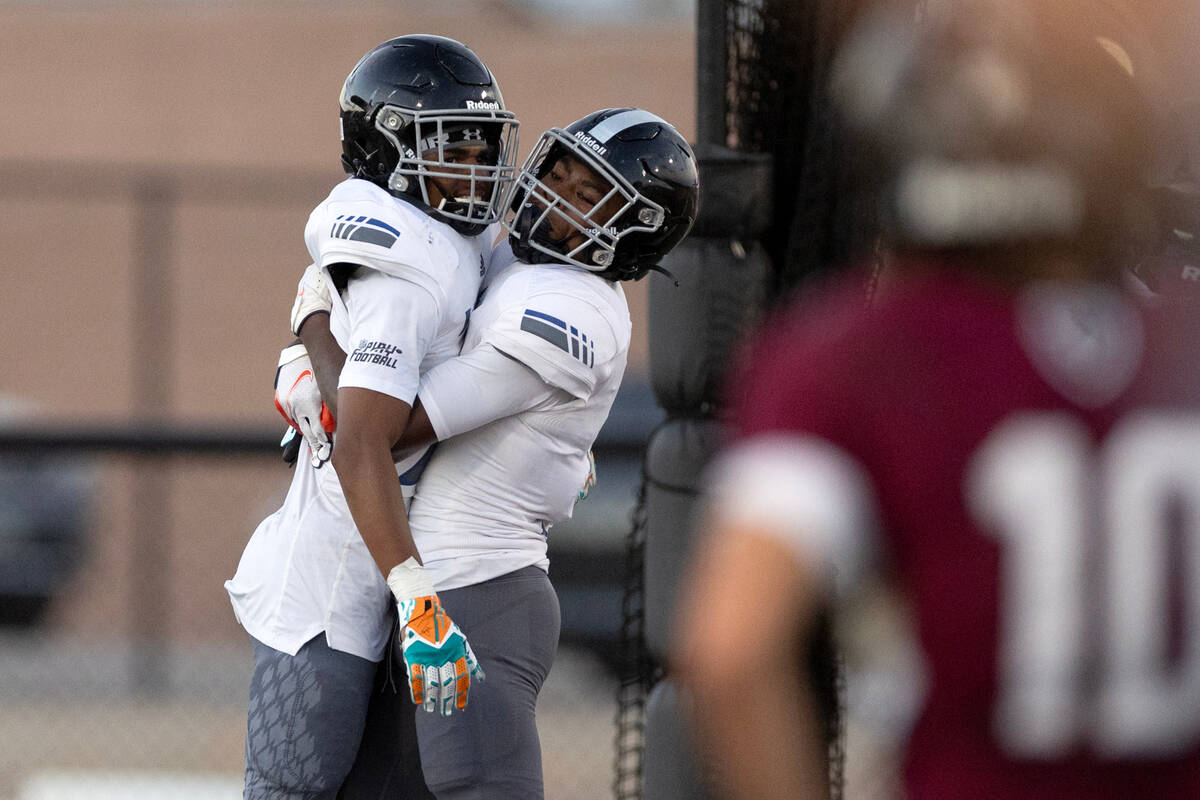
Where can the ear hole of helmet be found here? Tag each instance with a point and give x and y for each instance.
(366, 153)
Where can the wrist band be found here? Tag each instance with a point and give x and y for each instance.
(409, 579)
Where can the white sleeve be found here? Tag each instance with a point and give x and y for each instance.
(479, 387)
(391, 325)
(360, 224)
(562, 338)
(813, 496)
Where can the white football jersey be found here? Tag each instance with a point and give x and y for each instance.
(489, 495)
(405, 309)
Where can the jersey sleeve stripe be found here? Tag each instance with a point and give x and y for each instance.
(553, 335)
(370, 236)
(576, 343)
(529, 312)
(364, 229)
(384, 225)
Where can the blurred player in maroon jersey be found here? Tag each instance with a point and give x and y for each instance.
(1007, 438)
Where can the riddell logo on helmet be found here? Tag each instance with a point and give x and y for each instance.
(488, 104)
(588, 141)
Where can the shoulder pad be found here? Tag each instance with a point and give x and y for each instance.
(569, 340)
(359, 223)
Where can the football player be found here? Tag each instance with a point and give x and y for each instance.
(429, 149)
(597, 203)
(1006, 439)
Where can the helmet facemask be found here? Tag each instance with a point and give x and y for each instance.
(430, 146)
(584, 231)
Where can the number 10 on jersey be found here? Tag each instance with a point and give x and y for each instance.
(1087, 560)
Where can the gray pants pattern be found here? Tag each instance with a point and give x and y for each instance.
(326, 725)
(305, 721)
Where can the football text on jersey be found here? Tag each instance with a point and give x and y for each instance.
(376, 353)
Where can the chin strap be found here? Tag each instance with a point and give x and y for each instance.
(665, 271)
(637, 273)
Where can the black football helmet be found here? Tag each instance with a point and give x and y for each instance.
(407, 105)
(645, 163)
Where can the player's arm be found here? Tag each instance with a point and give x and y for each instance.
(440, 663)
(369, 422)
(306, 376)
(470, 391)
(473, 390)
(748, 603)
(310, 322)
(418, 433)
(326, 356)
(525, 359)
(392, 321)
(790, 526)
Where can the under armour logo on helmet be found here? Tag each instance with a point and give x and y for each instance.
(473, 134)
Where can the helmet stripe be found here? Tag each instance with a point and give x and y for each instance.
(613, 125)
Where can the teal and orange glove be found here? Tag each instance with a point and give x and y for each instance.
(440, 663)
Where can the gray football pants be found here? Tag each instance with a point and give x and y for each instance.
(491, 751)
(325, 719)
(327, 724)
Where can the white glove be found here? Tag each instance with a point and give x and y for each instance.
(299, 401)
(312, 296)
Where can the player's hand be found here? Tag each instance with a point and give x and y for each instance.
(440, 663)
(299, 401)
(590, 482)
(312, 297)
(437, 655)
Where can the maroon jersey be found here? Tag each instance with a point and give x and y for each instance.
(1033, 458)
